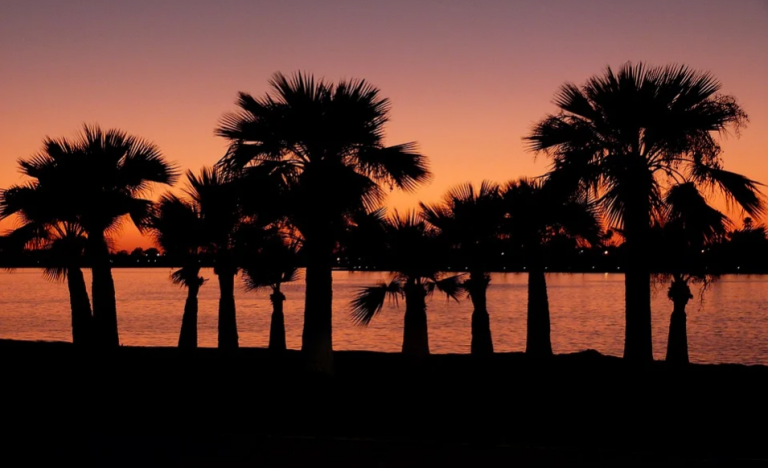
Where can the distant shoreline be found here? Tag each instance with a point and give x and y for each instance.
(764, 271)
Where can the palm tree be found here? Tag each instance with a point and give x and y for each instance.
(179, 227)
(96, 180)
(620, 136)
(63, 245)
(688, 224)
(276, 263)
(536, 213)
(470, 220)
(413, 253)
(214, 200)
(324, 142)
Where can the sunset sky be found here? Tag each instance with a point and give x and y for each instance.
(467, 79)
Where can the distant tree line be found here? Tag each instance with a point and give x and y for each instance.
(739, 251)
(634, 157)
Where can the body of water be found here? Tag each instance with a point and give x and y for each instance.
(730, 324)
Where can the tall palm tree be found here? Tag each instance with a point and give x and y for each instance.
(687, 225)
(276, 263)
(179, 227)
(324, 142)
(97, 179)
(413, 253)
(620, 136)
(470, 220)
(214, 199)
(536, 212)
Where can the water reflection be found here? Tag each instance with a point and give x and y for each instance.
(729, 325)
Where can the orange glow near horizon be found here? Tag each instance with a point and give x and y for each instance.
(466, 82)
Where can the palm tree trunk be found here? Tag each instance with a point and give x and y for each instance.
(188, 334)
(81, 308)
(638, 343)
(482, 343)
(538, 341)
(277, 326)
(415, 332)
(228, 338)
(103, 290)
(317, 337)
(677, 345)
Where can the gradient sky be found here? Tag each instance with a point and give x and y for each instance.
(467, 79)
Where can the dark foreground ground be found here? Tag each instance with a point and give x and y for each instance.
(160, 407)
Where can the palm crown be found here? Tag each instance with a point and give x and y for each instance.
(216, 200)
(41, 227)
(274, 263)
(98, 177)
(686, 226)
(630, 133)
(413, 254)
(177, 227)
(469, 219)
(536, 210)
(324, 140)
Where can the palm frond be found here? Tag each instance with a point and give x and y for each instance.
(738, 189)
(369, 301)
(143, 164)
(693, 219)
(175, 225)
(399, 165)
(451, 286)
(55, 273)
(187, 276)
(24, 200)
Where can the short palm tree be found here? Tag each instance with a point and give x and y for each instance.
(620, 136)
(536, 212)
(324, 142)
(178, 227)
(413, 253)
(63, 245)
(274, 264)
(215, 201)
(687, 225)
(97, 180)
(470, 220)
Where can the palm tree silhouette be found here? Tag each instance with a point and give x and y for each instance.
(64, 246)
(96, 180)
(179, 229)
(687, 225)
(536, 212)
(470, 220)
(275, 263)
(324, 142)
(619, 135)
(214, 199)
(413, 253)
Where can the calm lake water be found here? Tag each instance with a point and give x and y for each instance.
(729, 325)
